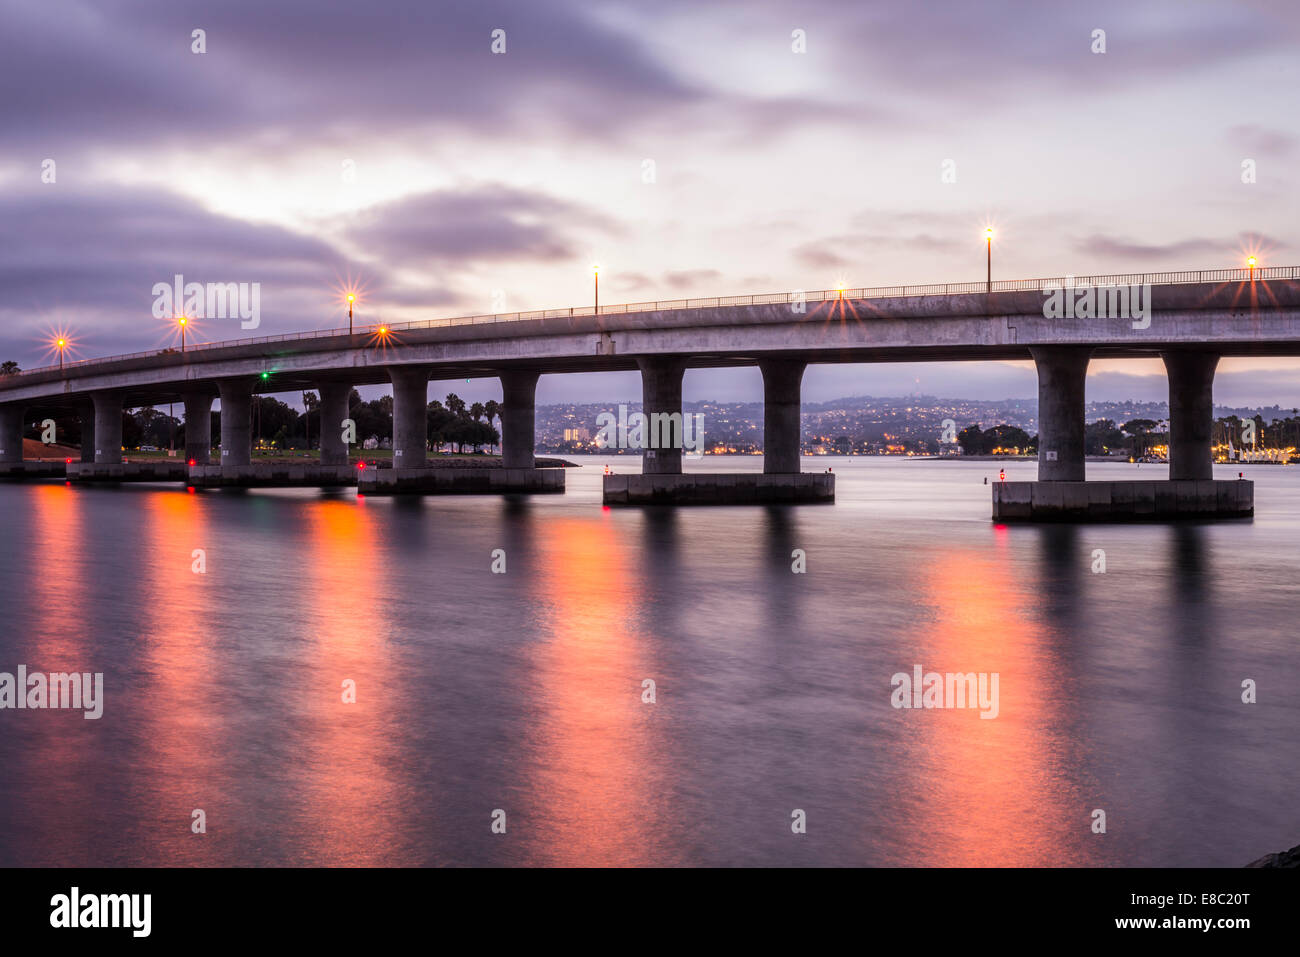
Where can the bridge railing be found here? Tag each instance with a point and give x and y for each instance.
(778, 298)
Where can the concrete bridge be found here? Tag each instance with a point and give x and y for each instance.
(1189, 319)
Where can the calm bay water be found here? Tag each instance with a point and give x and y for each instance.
(523, 691)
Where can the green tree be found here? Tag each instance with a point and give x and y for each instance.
(492, 409)
(971, 440)
(1139, 431)
(1102, 437)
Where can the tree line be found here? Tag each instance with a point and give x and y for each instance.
(449, 422)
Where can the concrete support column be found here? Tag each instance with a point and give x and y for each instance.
(1061, 374)
(198, 427)
(87, 415)
(410, 416)
(108, 428)
(781, 426)
(1191, 413)
(333, 410)
(11, 434)
(661, 394)
(518, 420)
(236, 421)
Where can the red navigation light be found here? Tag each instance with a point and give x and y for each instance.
(361, 465)
(67, 461)
(193, 462)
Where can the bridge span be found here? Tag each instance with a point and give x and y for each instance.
(1189, 319)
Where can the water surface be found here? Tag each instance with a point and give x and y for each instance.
(523, 692)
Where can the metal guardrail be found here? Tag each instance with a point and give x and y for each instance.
(819, 295)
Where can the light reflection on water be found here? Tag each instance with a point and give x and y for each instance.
(523, 691)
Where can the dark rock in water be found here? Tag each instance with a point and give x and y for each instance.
(1288, 859)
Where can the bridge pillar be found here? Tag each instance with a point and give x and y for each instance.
(1191, 413)
(1061, 374)
(11, 434)
(108, 428)
(410, 416)
(86, 413)
(236, 421)
(781, 425)
(198, 427)
(333, 410)
(518, 419)
(661, 394)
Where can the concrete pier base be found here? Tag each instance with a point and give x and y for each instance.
(11, 434)
(273, 476)
(32, 470)
(198, 428)
(236, 422)
(1155, 501)
(333, 413)
(518, 419)
(720, 488)
(108, 428)
(459, 481)
(165, 470)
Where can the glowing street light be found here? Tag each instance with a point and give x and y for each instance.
(839, 289)
(61, 344)
(988, 237)
(595, 275)
(183, 322)
(351, 299)
(1250, 261)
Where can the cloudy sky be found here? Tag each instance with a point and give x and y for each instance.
(686, 147)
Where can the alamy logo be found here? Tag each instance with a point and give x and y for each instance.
(75, 909)
(57, 690)
(1071, 301)
(934, 690)
(658, 430)
(213, 300)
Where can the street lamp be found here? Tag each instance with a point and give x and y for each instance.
(351, 299)
(839, 289)
(184, 324)
(595, 274)
(62, 344)
(1251, 263)
(988, 237)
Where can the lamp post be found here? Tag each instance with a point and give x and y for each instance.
(595, 275)
(351, 299)
(184, 324)
(1250, 262)
(988, 279)
(62, 344)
